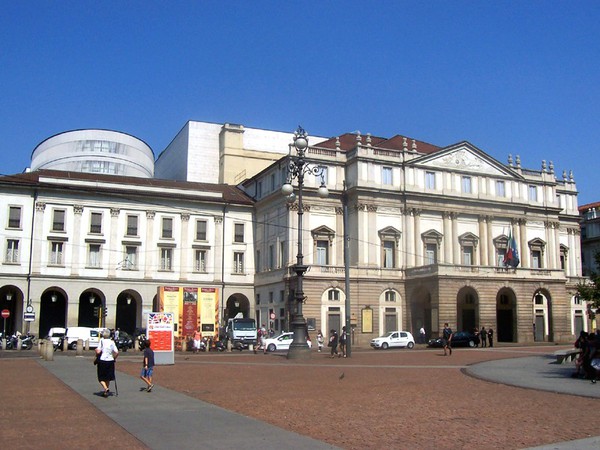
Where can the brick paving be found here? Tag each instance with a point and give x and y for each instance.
(385, 399)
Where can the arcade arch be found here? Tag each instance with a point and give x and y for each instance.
(467, 309)
(506, 315)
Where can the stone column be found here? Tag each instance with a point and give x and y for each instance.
(374, 250)
(483, 242)
(447, 257)
(548, 230)
(417, 234)
(78, 241)
(490, 240)
(185, 262)
(38, 243)
(455, 243)
(410, 239)
(114, 247)
(151, 250)
(522, 242)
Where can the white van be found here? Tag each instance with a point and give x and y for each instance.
(92, 335)
(55, 333)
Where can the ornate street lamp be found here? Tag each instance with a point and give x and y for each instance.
(297, 168)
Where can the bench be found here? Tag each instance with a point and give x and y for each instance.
(563, 356)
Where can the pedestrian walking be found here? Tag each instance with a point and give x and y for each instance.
(483, 337)
(107, 354)
(197, 340)
(490, 334)
(320, 340)
(333, 343)
(343, 337)
(148, 366)
(447, 339)
(422, 335)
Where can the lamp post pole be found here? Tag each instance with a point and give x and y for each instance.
(297, 168)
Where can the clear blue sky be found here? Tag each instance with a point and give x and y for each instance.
(508, 76)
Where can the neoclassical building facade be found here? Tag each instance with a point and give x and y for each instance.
(429, 229)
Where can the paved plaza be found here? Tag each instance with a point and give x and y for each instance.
(205, 401)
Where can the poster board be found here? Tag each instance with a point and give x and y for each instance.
(160, 331)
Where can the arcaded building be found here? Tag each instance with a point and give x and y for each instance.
(437, 234)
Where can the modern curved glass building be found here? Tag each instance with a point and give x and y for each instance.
(95, 151)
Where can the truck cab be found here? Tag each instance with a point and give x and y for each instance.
(241, 332)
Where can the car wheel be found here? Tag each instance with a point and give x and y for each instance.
(471, 344)
(411, 345)
(73, 345)
(384, 346)
(271, 348)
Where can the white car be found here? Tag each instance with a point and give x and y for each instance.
(281, 342)
(394, 339)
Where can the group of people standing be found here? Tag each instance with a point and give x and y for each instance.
(333, 342)
(587, 364)
(485, 337)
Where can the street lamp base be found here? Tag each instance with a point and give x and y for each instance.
(298, 351)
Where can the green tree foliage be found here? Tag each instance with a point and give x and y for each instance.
(590, 291)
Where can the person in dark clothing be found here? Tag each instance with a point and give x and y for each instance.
(333, 342)
(342, 340)
(148, 368)
(490, 334)
(483, 337)
(447, 339)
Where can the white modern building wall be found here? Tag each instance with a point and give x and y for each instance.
(95, 151)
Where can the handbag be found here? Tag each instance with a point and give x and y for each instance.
(97, 358)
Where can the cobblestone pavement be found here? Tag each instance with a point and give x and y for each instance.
(376, 399)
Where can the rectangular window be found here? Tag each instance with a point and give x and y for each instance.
(533, 193)
(58, 220)
(132, 225)
(389, 253)
(271, 257)
(386, 175)
(167, 228)
(14, 217)
(238, 262)
(166, 259)
(467, 256)
(200, 261)
(258, 262)
(94, 255)
(259, 189)
(238, 236)
(130, 262)
(500, 257)
(431, 254)
(271, 297)
(96, 223)
(56, 253)
(12, 251)
(390, 296)
(333, 295)
(201, 230)
(282, 257)
(430, 180)
(322, 256)
(500, 188)
(272, 182)
(536, 259)
(466, 185)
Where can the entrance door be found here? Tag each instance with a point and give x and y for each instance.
(468, 320)
(505, 325)
(391, 321)
(333, 321)
(578, 323)
(539, 328)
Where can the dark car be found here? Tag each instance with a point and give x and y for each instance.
(460, 339)
(124, 341)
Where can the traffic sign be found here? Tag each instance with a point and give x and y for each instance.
(29, 317)
(5, 313)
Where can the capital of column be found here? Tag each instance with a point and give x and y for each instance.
(78, 209)
(114, 212)
(150, 214)
(185, 217)
(40, 206)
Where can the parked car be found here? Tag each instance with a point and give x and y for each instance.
(460, 339)
(281, 342)
(394, 339)
(124, 341)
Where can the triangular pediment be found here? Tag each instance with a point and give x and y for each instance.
(465, 157)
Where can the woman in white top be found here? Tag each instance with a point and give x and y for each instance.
(107, 349)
